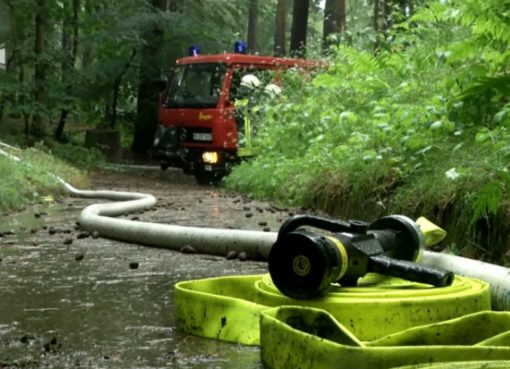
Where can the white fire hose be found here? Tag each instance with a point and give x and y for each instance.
(256, 244)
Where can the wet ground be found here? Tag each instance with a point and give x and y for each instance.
(68, 300)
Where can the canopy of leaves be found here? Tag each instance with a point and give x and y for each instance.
(108, 34)
(4, 23)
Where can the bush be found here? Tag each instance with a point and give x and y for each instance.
(33, 178)
(419, 128)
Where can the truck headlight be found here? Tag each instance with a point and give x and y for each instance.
(210, 157)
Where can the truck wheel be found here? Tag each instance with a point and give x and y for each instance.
(208, 178)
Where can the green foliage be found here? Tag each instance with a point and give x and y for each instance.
(108, 34)
(76, 155)
(420, 128)
(29, 181)
(4, 21)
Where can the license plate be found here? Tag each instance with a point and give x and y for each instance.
(197, 136)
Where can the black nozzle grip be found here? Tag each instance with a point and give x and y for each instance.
(334, 226)
(411, 271)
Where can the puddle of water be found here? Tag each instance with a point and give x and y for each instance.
(35, 217)
(58, 312)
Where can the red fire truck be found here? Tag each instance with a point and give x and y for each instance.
(198, 122)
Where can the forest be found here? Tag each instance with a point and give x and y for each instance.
(410, 116)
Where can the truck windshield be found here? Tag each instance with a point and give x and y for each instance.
(196, 86)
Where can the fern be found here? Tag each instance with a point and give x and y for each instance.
(359, 61)
(489, 19)
(487, 201)
(435, 12)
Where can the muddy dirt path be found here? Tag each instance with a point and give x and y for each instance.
(68, 300)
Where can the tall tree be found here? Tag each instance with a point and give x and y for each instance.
(70, 29)
(86, 54)
(279, 29)
(334, 21)
(397, 10)
(17, 59)
(112, 108)
(151, 63)
(253, 14)
(299, 27)
(41, 66)
(376, 15)
(6, 38)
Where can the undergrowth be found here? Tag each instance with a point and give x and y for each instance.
(421, 127)
(32, 180)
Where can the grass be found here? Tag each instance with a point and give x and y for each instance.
(31, 179)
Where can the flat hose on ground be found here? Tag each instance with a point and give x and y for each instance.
(98, 217)
(308, 338)
(503, 364)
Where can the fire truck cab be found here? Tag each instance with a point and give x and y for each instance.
(199, 127)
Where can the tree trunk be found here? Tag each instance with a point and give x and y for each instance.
(70, 52)
(116, 89)
(342, 17)
(86, 55)
(108, 102)
(376, 16)
(41, 28)
(148, 89)
(396, 11)
(76, 29)
(299, 27)
(253, 15)
(15, 54)
(66, 55)
(279, 29)
(334, 21)
(10, 46)
(15, 61)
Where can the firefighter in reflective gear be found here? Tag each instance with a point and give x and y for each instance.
(245, 104)
(272, 90)
(249, 83)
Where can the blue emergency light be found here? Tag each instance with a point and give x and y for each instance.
(240, 47)
(194, 50)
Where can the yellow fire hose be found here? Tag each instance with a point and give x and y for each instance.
(500, 364)
(306, 338)
(384, 322)
(228, 308)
